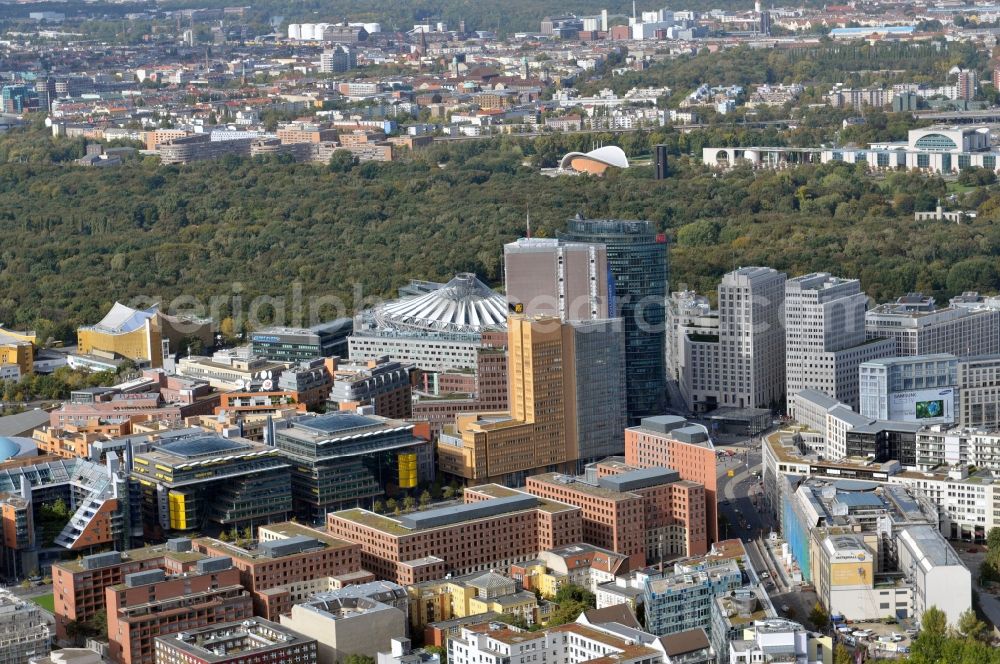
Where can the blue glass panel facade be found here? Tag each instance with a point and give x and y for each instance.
(637, 257)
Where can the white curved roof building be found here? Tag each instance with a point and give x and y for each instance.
(596, 161)
(464, 304)
(442, 329)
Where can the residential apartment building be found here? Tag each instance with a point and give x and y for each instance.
(681, 599)
(496, 527)
(752, 338)
(637, 259)
(308, 383)
(24, 630)
(583, 565)
(78, 586)
(151, 604)
(252, 641)
(476, 594)
(338, 60)
(940, 445)
(671, 442)
(647, 515)
(301, 132)
(201, 147)
(289, 563)
(825, 336)
(733, 613)
(920, 328)
(761, 640)
(545, 276)
(574, 643)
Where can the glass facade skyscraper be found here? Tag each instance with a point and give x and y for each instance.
(637, 261)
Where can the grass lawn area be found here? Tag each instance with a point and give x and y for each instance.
(47, 602)
(956, 188)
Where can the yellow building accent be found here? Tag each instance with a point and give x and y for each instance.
(407, 470)
(177, 504)
(138, 335)
(858, 573)
(18, 348)
(140, 345)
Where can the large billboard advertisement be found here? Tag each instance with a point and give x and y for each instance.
(932, 406)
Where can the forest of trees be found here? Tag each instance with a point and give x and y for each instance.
(78, 239)
(822, 65)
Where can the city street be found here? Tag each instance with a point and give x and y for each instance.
(739, 494)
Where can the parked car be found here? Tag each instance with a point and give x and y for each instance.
(844, 629)
(895, 638)
(861, 633)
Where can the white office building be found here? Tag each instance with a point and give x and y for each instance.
(937, 149)
(920, 328)
(922, 388)
(752, 338)
(938, 575)
(979, 392)
(825, 336)
(573, 643)
(780, 640)
(693, 349)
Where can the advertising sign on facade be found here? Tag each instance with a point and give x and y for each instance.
(925, 406)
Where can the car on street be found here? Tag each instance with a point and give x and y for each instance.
(861, 634)
(844, 629)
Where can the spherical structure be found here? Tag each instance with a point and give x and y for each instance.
(16, 446)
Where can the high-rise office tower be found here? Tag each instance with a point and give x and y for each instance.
(545, 276)
(637, 259)
(752, 338)
(825, 336)
(566, 380)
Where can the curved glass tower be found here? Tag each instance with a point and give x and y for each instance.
(637, 292)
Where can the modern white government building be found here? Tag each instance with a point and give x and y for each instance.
(936, 149)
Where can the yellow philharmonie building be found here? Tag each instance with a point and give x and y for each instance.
(145, 336)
